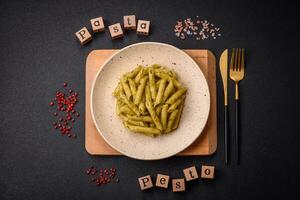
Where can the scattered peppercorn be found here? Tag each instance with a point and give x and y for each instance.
(104, 176)
(65, 108)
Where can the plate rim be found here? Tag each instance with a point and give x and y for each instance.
(110, 58)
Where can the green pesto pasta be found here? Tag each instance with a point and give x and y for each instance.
(150, 100)
(177, 120)
(160, 92)
(171, 121)
(126, 87)
(168, 91)
(176, 95)
(152, 83)
(164, 116)
(142, 106)
(140, 91)
(175, 104)
(132, 87)
(140, 129)
(139, 76)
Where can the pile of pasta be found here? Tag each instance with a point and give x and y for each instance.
(150, 100)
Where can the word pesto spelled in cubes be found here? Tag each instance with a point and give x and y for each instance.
(116, 31)
(178, 184)
(150, 100)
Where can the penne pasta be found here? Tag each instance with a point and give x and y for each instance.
(142, 106)
(134, 72)
(126, 110)
(164, 116)
(126, 87)
(140, 91)
(176, 95)
(168, 77)
(175, 104)
(150, 100)
(152, 83)
(129, 103)
(158, 110)
(160, 92)
(139, 76)
(140, 118)
(168, 91)
(177, 120)
(132, 86)
(171, 121)
(116, 91)
(140, 129)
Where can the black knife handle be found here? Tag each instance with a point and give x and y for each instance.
(237, 145)
(226, 145)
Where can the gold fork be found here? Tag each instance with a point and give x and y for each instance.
(237, 74)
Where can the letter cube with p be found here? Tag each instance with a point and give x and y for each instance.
(145, 182)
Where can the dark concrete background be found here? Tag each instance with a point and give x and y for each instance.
(39, 52)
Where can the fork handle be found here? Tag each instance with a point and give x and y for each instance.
(237, 145)
(226, 133)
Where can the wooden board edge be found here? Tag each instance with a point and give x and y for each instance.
(212, 77)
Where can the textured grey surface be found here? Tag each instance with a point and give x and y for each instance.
(39, 52)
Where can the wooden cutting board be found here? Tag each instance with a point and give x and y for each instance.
(206, 144)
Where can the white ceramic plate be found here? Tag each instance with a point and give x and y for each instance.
(139, 146)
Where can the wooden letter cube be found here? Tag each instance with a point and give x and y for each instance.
(145, 182)
(129, 22)
(190, 173)
(143, 27)
(97, 24)
(115, 30)
(83, 35)
(207, 172)
(178, 185)
(162, 181)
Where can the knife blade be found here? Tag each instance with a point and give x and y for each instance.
(224, 74)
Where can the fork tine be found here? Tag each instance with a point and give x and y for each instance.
(236, 64)
(232, 60)
(242, 61)
(239, 59)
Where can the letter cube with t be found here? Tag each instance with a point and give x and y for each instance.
(145, 182)
(83, 35)
(143, 27)
(115, 30)
(162, 181)
(97, 24)
(129, 22)
(190, 173)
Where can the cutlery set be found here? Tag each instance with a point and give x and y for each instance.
(237, 71)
